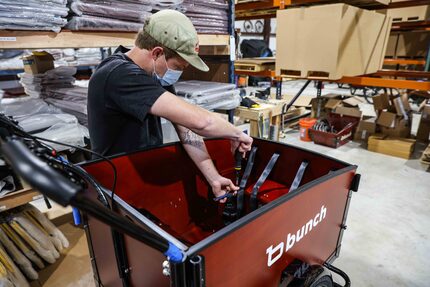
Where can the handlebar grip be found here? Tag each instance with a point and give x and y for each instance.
(38, 173)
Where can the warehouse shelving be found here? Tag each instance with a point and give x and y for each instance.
(369, 81)
(80, 39)
(384, 78)
(267, 9)
(18, 198)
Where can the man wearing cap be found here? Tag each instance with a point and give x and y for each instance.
(132, 89)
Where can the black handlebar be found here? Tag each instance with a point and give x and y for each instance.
(53, 184)
(38, 173)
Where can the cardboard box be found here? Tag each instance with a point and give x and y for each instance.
(333, 104)
(365, 129)
(353, 101)
(391, 45)
(353, 112)
(330, 41)
(423, 132)
(402, 129)
(381, 102)
(413, 44)
(38, 62)
(387, 119)
(397, 147)
(425, 158)
(408, 14)
(302, 101)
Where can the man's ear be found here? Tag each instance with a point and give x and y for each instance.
(157, 52)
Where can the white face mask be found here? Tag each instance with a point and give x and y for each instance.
(170, 77)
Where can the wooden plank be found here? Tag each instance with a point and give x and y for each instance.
(81, 39)
(18, 198)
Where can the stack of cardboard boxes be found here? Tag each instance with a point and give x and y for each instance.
(330, 41)
(389, 133)
(332, 103)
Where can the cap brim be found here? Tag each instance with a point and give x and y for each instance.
(195, 61)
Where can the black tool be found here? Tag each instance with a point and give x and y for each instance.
(230, 208)
(238, 165)
(247, 102)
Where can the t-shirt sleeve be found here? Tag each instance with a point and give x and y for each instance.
(133, 91)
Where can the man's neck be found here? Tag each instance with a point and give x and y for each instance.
(141, 58)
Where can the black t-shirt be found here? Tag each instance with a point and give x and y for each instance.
(120, 95)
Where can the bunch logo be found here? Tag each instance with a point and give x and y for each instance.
(276, 252)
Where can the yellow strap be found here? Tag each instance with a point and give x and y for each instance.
(5, 260)
(13, 236)
(27, 238)
(3, 271)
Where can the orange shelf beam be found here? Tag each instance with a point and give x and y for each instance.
(260, 5)
(404, 62)
(266, 73)
(387, 83)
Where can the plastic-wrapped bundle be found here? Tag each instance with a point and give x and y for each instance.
(35, 85)
(128, 12)
(23, 109)
(217, 4)
(101, 24)
(72, 101)
(88, 56)
(167, 4)
(207, 16)
(41, 122)
(33, 15)
(214, 97)
(69, 133)
(196, 88)
(225, 104)
(209, 95)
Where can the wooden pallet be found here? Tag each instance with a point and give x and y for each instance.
(255, 64)
(409, 14)
(323, 75)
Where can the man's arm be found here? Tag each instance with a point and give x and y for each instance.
(199, 120)
(196, 149)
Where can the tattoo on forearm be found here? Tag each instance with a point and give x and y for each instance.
(188, 137)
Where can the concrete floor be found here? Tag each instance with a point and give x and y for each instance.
(387, 239)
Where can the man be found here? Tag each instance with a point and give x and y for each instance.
(131, 89)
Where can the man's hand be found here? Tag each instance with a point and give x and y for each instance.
(243, 144)
(221, 185)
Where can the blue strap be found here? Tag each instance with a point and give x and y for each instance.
(76, 216)
(174, 254)
(226, 195)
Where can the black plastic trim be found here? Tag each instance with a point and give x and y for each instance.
(355, 184)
